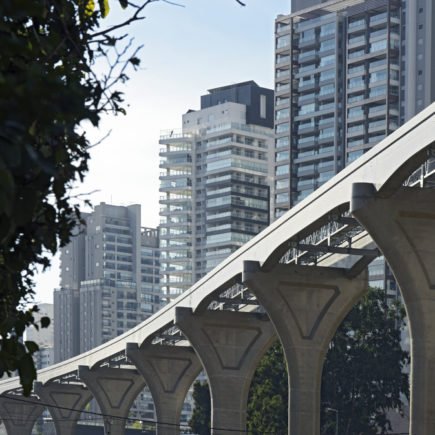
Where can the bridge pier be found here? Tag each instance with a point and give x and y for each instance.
(169, 371)
(115, 390)
(65, 403)
(403, 227)
(306, 305)
(19, 413)
(229, 345)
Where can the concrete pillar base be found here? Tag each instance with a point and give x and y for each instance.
(19, 413)
(65, 402)
(115, 391)
(403, 226)
(229, 345)
(169, 371)
(306, 304)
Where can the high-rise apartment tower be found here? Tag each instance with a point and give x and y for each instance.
(348, 73)
(109, 280)
(214, 181)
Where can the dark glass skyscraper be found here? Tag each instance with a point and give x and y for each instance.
(348, 73)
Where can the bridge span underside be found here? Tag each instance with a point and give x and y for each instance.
(295, 281)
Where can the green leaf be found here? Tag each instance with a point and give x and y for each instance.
(104, 7)
(32, 128)
(87, 7)
(90, 7)
(45, 322)
(27, 372)
(32, 347)
(135, 61)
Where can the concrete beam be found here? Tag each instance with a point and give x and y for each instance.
(306, 304)
(403, 226)
(65, 403)
(115, 391)
(229, 345)
(169, 371)
(19, 413)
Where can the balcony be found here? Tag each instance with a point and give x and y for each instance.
(174, 134)
(179, 150)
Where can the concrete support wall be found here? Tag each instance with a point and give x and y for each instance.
(115, 391)
(306, 304)
(169, 371)
(403, 227)
(229, 345)
(19, 413)
(65, 402)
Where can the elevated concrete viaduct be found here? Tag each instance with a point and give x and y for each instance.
(296, 281)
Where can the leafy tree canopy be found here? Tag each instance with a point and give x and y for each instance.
(363, 376)
(364, 373)
(48, 88)
(200, 420)
(268, 395)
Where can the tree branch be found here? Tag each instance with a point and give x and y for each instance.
(133, 18)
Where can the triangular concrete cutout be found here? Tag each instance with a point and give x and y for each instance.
(170, 371)
(232, 343)
(115, 390)
(307, 304)
(66, 400)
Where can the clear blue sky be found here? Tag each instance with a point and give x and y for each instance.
(187, 50)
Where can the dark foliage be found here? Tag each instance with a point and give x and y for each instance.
(363, 376)
(200, 421)
(268, 395)
(48, 89)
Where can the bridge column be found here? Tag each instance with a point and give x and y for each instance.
(403, 227)
(65, 403)
(19, 413)
(169, 371)
(115, 391)
(229, 345)
(306, 304)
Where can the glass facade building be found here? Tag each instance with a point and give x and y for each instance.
(338, 84)
(214, 181)
(347, 74)
(109, 280)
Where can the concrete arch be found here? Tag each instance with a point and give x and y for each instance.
(19, 414)
(306, 305)
(230, 345)
(403, 226)
(65, 403)
(115, 390)
(169, 371)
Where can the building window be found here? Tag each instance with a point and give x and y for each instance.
(283, 41)
(282, 170)
(283, 113)
(281, 128)
(263, 106)
(282, 142)
(281, 184)
(284, 155)
(282, 197)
